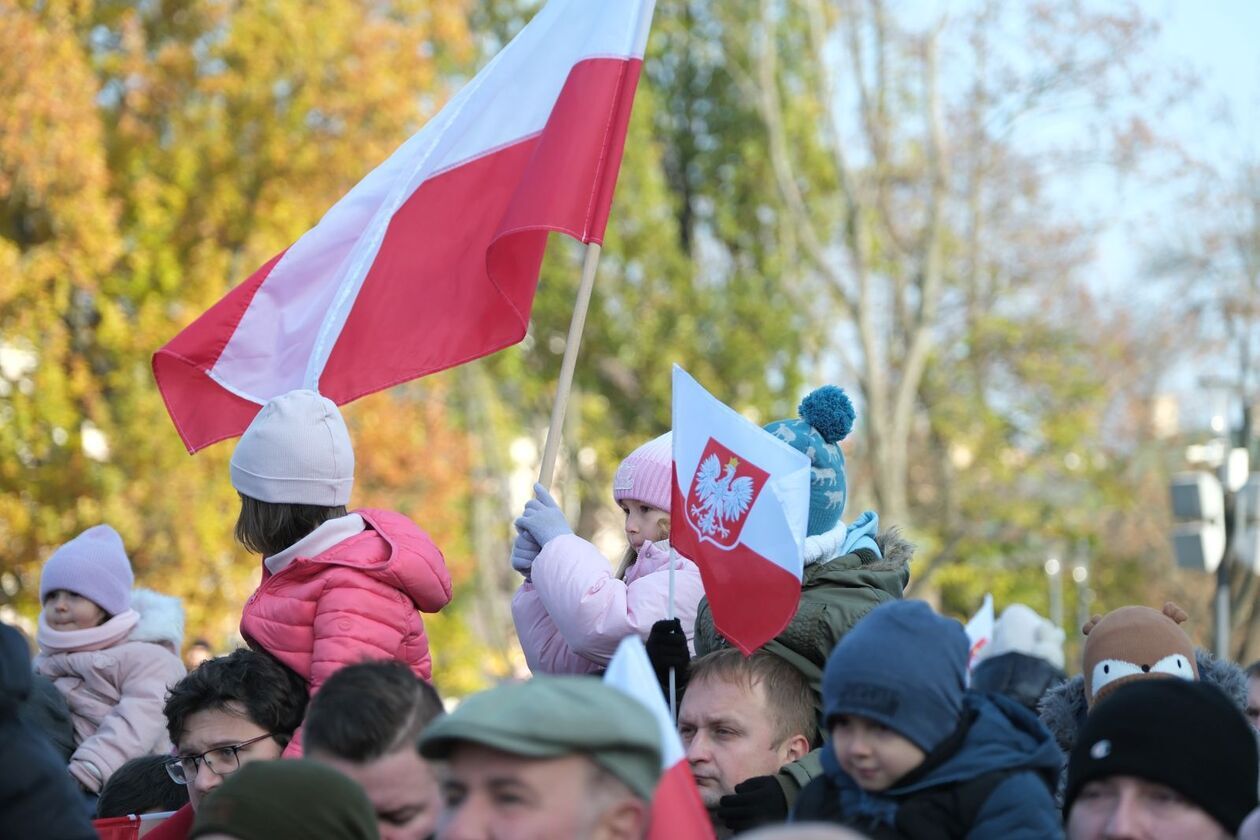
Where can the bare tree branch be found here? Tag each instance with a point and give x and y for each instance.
(771, 110)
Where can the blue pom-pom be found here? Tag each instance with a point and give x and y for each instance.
(830, 412)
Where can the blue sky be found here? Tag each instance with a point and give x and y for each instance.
(1220, 40)
(1219, 126)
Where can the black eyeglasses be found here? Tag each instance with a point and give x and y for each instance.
(221, 760)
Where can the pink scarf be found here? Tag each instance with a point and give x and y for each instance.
(93, 638)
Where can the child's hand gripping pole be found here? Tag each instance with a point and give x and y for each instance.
(543, 520)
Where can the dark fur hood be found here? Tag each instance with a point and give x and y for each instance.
(1063, 708)
(897, 552)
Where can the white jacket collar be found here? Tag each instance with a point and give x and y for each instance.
(318, 541)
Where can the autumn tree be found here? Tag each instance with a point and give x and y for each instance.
(151, 156)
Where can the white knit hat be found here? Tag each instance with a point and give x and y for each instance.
(297, 451)
(1021, 630)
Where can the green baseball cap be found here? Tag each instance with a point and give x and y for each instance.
(553, 716)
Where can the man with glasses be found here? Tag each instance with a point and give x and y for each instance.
(219, 760)
(228, 712)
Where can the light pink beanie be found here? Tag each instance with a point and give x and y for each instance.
(647, 474)
(94, 565)
(296, 451)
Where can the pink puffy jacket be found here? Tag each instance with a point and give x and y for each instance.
(353, 602)
(573, 611)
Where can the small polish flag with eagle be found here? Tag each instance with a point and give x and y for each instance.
(740, 509)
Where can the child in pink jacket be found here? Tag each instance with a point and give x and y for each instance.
(111, 652)
(337, 587)
(572, 609)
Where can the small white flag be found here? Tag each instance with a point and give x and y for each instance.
(980, 630)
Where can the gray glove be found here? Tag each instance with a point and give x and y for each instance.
(543, 520)
(524, 550)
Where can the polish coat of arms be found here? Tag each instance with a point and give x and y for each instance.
(722, 492)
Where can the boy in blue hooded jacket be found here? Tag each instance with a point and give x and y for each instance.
(913, 753)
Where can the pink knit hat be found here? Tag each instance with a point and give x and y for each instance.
(647, 474)
(94, 565)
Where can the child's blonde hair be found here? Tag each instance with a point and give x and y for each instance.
(632, 553)
(646, 476)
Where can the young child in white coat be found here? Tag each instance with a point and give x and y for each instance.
(111, 652)
(573, 609)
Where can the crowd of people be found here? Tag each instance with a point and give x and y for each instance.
(865, 717)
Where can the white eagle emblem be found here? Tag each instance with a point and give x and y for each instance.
(723, 497)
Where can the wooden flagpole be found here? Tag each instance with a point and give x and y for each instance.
(669, 614)
(565, 384)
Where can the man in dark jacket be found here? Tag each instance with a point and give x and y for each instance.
(913, 753)
(37, 796)
(1145, 638)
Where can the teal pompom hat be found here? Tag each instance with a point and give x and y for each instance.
(826, 418)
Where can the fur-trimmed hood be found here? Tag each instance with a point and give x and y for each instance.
(896, 550)
(161, 619)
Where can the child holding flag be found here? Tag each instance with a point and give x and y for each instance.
(572, 609)
(337, 587)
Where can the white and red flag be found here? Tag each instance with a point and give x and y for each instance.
(677, 810)
(432, 260)
(740, 509)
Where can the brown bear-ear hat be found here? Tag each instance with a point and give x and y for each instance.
(1133, 643)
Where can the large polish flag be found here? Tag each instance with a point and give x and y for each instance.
(740, 509)
(432, 260)
(678, 813)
